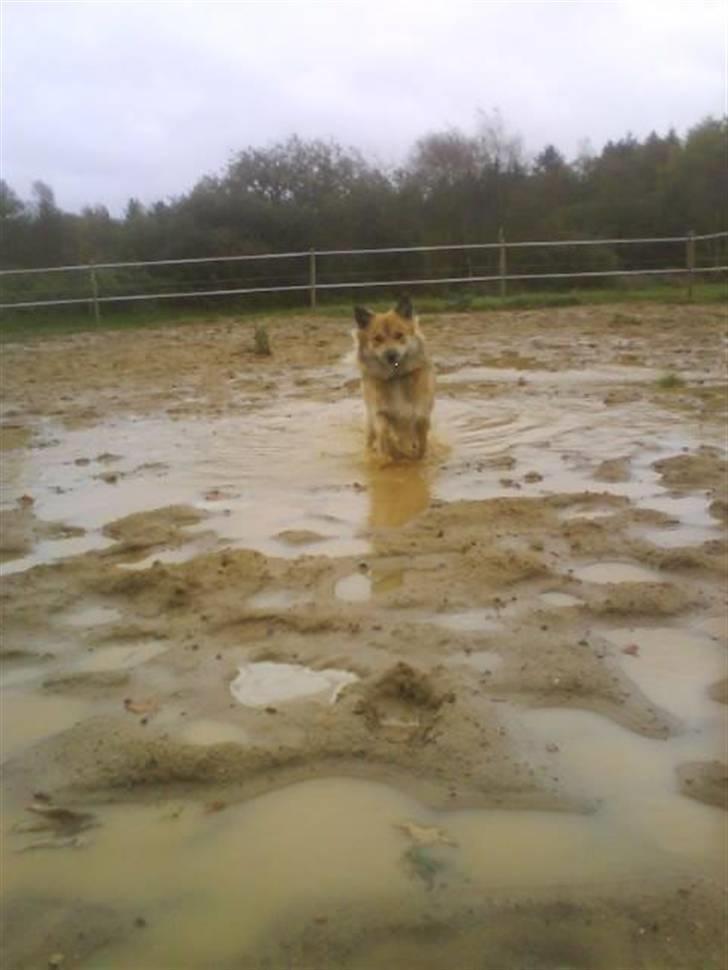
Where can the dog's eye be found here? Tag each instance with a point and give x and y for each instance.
(399, 335)
(378, 339)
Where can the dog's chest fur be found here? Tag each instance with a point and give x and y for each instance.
(404, 399)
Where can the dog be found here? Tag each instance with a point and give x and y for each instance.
(398, 381)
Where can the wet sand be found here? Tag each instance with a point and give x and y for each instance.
(326, 713)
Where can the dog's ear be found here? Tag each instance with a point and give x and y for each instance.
(404, 307)
(363, 317)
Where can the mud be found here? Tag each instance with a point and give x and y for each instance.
(497, 674)
(706, 781)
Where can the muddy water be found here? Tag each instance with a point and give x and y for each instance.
(205, 878)
(298, 469)
(318, 845)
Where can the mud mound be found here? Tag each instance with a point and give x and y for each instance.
(216, 581)
(92, 681)
(649, 599)
(719, 691)
(544, 668)
(20, 529)
(712, 556)
(403, 701)
(156, 527)
(706, 781)
(704, 468)
(613, 470)
(458, 526)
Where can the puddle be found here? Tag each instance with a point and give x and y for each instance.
(616, 572)
(356, 588)
(387, 582)
(634, 778)
(560, 599)
(278, 599)
(181, 553)
(85, 616)
(482, 661)
(54, 550)
(260, 684)
(681, 535)
(589, 512)
(253, 862)
(716, 627)
(204, 731)
(27, 717)
(120, 657)
(588, 375)
(397, 493)
(480, 449)
(672, 667)
(468, 621)
(323, 442)
(634, 782)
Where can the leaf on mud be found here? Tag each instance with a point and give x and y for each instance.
(62, 820)
(26, 500)
(145, 708)
(422, 865)
(426, 834)
(217, 495)
(212, 807)
(69, 842)
(632, 649)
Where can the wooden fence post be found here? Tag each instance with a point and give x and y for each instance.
(690, 260)
(94, 294)
(312, 278)
(502, 267)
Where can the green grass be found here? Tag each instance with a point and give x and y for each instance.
(669, 382)
(46, 322)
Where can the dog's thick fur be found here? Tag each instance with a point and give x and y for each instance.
(398, 381)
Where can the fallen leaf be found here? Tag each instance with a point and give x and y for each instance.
(61, 819)
(69, 842)
(632, 649)
(212, 807)
(425, 834)
(26, 500)
(149, 706)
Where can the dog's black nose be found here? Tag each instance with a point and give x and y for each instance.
(392, 357)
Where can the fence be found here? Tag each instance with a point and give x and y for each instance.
(318, 271)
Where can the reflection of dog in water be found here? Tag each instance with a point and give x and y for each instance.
(398, 381)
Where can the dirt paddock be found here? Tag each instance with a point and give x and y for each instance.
(266, 703)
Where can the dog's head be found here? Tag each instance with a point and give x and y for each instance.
(390, 344)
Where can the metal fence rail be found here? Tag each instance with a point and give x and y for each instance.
(310, 270)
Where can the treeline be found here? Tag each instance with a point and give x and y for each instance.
(453, 188)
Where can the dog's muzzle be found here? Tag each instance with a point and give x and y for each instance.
(392, 358)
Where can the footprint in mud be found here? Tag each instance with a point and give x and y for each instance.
(402, 703)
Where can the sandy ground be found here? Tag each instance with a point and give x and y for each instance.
(535, 619)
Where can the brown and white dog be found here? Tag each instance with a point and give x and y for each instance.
(398, 381)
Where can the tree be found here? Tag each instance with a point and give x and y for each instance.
(11, 206)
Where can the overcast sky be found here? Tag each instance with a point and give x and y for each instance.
(105, 100)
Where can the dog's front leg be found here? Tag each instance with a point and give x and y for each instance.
(387, 436)
(422, 427)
